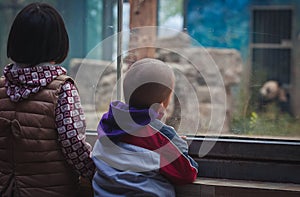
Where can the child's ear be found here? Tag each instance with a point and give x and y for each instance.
(166, 102)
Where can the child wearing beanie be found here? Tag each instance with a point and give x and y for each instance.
(136, 154)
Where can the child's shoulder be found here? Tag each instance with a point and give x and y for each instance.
(170, 134)
(167, 130)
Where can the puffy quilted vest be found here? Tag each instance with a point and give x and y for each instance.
(31, 160)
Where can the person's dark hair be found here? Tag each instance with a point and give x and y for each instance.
(37, 35)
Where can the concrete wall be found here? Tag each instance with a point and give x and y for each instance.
(212, 73)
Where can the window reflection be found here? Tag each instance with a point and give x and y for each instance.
(250, 42)
(262, 32)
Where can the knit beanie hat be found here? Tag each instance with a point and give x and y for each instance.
(148, 81)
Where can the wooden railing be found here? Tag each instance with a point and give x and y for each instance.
(210, 187)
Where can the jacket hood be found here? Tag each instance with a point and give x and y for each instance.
(22, 82)
(121, 119)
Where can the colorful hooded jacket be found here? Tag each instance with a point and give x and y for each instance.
(138, 155)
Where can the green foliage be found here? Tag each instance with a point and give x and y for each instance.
(169, 8)
(269, 123)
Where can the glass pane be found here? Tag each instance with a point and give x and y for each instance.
(84, 23)
(235, 62)
(259, 34)
(238, 57)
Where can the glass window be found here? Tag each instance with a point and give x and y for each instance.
(235, 61)
(83, 20)
(85, 26)
(254, 46)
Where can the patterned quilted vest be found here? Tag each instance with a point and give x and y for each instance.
(31, 161)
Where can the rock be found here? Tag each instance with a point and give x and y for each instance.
(204, 78)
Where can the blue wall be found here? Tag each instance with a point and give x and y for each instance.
(225, 23)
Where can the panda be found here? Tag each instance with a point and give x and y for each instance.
(273, 91)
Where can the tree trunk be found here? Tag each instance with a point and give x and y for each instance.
(142, 13)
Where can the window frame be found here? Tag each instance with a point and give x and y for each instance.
(244, 158)
(248, 158)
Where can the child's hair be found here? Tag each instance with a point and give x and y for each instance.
(148, 81)
(37, 35)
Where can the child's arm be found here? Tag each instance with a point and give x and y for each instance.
(180, 168)
(70, 122)
(175, 163)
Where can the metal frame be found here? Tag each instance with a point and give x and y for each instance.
(119, 49)
(184, 14)
(108, 21)
(253, 46)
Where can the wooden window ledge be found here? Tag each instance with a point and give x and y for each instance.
(209, 187)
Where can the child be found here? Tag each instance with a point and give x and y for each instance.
(136, 154)
(42, 137)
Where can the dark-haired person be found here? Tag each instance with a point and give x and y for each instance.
(43, 151)
(136, 154)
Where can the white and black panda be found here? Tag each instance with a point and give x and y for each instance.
(273, 91)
